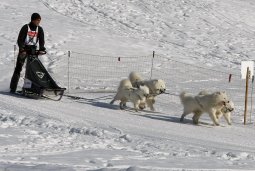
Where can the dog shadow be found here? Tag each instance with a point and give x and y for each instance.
(97, 103)
(161, 117)
(107, 105)
(173, 119)
(104, 105)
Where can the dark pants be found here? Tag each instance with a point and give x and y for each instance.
(16, 75)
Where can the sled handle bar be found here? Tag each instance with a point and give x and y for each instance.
(40, 52)
(37, 52)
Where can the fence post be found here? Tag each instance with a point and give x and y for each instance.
(152, 61)
(68, 72)
(252, 81)
(229, 78)
(14, 55)
(246, 93)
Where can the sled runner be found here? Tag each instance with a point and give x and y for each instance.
(38, 83)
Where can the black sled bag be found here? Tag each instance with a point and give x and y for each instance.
(38, 80)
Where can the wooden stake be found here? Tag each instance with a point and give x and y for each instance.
(68, 72)
(229, 78)
(152, 62)
(252, 81)
(246, 94)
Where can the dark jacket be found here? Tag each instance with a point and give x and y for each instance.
(23, 35)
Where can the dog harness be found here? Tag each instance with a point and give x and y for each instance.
(132, 90)
(32, 36)
(199, 103)
(139, 97)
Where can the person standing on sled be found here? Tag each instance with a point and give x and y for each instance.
(29, 35)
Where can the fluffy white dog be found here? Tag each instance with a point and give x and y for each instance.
(225, 111)
(203, 103)
(135, 79)
(156, 87)
(127, 93)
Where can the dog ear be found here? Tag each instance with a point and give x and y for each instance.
(217, 92)
(155, 81)
(223, 92)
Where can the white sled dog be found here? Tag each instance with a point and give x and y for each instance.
(127, 93)
(156, 87)
(135, 79)
(204, 103)
(225, 111)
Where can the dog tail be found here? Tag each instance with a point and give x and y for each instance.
(182, 96)
(135, 79)
(125, 84)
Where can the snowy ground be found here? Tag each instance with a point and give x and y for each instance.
(91, 134)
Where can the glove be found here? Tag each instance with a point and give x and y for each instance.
(42, 49)
(41, 52)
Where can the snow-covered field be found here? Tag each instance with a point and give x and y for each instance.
(89, 133)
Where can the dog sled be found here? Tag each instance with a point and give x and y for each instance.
(38, 83)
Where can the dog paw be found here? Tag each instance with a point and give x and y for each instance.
(141, 107)
(195, 122)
